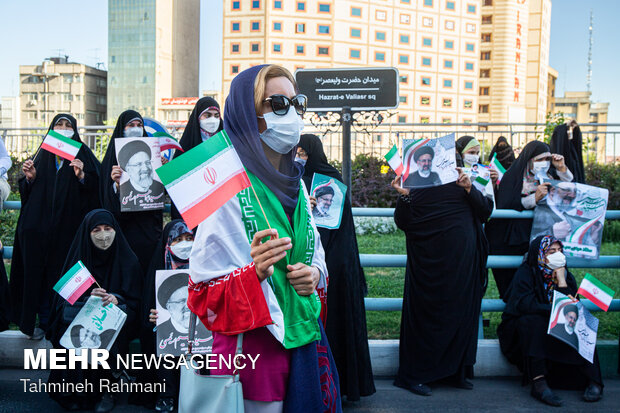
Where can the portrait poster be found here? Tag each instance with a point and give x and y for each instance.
(173, 315)
(330, 194)
(480, 176)
(95, 326)
(575, 214)
(140, 187)
(573, 324)
(429, 162)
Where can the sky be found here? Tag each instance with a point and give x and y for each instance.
(32, 30)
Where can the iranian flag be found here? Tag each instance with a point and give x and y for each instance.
(408, 152)
(62, 146)
(74, 283)
(596, 291)
(204, 178)
(393, 159)
(495, 164)
(157, 130)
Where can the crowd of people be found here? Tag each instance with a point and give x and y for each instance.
(303, 286)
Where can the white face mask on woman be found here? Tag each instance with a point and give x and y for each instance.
(556, 260)
(182, 249)
(540, 167)
(210, 125)
(67, 133)
(470, 158)
(283, 132)
(134, 132)
(103, 239)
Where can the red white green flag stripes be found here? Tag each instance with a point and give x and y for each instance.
(59, 145)
(495, 164)
(408, 152)
(74, 283)
(393, 159)
(596, 291)
(204, 178)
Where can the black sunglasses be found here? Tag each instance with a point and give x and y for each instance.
(280, 104)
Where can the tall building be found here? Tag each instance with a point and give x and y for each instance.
(9, 112)
(153, 53)
(58, 85)
(552, 76)
(433, 43)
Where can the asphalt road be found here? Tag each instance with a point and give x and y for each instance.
(489, 395)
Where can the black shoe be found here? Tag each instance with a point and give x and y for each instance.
(165, 404)
(463, 384)
(420, 389)
(593, 393)
(547, 397)
(106, 404)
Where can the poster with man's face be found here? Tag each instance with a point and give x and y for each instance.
(173, 315)
(429, 162)
(140, 187)
(330, 195)
(95, 326)
(573, 324)
(573, 213)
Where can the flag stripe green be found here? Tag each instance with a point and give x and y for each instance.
(599, 285)
(67, 277)
(391, 153)
(66, 140)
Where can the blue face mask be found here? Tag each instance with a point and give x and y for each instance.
(300, 160)
(283, 132)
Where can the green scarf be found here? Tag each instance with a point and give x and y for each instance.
(300, 312)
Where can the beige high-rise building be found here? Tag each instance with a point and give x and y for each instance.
(433, 43)
(58, 85)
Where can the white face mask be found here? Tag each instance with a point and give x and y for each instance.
(540, 167)
(134, 132)
(283, 132)
(182, 249)
(210, 125)
(556, 260)
(470, 158)
(103, 239)
(67, 133)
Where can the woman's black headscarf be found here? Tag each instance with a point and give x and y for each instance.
(52, 207)
(505, 154)
(570, 149)
(317, 160)
(241, 125)
(191, 135)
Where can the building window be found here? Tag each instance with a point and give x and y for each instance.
(403, 58)
(324, 8)
(235, 26)
(236, 5)
(426, 61)
(487, 19)
(468, 104)
(380, 36)
(401, 119)
(469, 47)
(277, 4)
(483, 108)
(426, 81)
(277, 48)
(447, 64)
(485, 73)
(380, 15)
(428, 3)
(485, 56)
(300, 28)
(425, 119)
(471, 28)
(379, 56)
(255, 26)
(427, 22)
(448, 44)
(405, 1)
(405, 19)
(449, 25)
(323, 29)
(299, 49)
(469, 85)
(484, 91)
(255, 47)
(469, 66)
(403, 78)
(277, 26)
(301, 6)
(234, 69)
(425, 100)
(355, 53)
(446, 120)
(485, 37)
(404, 39)
(447, 83)
(487, 2)
(356, 33)
(356, 12)
(449, 5)
(255, 4)
(427, 41)
(323, 51)
(402, 99)
(234, 48)
(447, 102)
(471, 8)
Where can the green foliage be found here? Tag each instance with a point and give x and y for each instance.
(552, 121)
(605, 176)
(370, 187)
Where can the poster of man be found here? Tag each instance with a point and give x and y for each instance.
(573, 213)
(329, 194)
(573, 324)
(173, 315)
(95, 326)
(140, 187)
(429, 162)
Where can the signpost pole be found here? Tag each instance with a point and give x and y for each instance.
(346, 119)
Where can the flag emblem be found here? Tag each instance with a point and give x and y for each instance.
(210, 175)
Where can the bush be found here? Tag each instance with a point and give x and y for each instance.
(370, 181)
(374, 225)
(605, 176)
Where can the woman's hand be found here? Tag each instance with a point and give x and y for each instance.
(463, 180)
(266, 254)
(105, 297)
(558, 162)
(396, 185)
(313, 202)
(494, 176)
(116, 174)
(559, 276)
(153, 316)
(29, 170)
(303, 278)
(541, 191)
(164, 160)
(78, 168)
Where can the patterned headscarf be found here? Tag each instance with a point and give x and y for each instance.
(172, 261)
(547, 272)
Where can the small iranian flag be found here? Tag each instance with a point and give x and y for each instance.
(204, 178)
(157, 130)
(59, 145)
(596, 291)
(73, 284)
(408, 152)
(495, 164)
(393, 159)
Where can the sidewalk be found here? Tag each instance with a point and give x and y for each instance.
(498, 394)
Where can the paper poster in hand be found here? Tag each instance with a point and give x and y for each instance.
(95, 326)
(573, 213)
(480, 176)
(330, 195)
(173, 315)
(573, 324)
(429, 162)
(140, 187)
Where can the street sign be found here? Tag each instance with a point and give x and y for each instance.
(371, 88)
